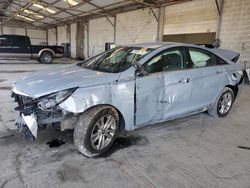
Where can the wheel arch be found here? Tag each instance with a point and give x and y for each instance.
(46, 50)
(234, 88)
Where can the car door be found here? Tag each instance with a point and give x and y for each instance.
(211, 77)
(21, 47)
(165, 91)
(6, 46)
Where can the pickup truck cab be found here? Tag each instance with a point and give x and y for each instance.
(19, 46)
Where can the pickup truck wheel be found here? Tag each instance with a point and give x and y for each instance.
(46, 58)
(96, 130)
(223, 103)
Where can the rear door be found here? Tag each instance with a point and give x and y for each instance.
(210, 79)
(21, 47)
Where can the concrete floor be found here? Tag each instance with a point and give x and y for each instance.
(197, 151)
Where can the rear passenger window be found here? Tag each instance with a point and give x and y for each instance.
(5, 41)
(201, 58)
(20, 41)
(220, 61)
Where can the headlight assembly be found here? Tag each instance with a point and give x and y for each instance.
(49, 102)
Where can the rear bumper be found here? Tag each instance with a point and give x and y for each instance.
(58, 55)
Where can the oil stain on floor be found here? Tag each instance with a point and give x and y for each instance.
(55, 143)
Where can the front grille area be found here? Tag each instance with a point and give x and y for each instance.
(20, 99)
(26, 105)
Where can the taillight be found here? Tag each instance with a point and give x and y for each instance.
(60, 50)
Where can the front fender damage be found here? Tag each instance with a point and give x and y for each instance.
(119, 95)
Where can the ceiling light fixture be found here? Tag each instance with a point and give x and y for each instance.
(44, 8)
(71, 2)
(31, 12)
(24, 17)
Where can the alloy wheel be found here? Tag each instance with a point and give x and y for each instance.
(103, 132)
(225, 103)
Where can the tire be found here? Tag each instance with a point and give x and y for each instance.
(226, 99)
(91, 135)
(46, 58)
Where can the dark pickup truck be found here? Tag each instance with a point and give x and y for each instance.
(19, 46)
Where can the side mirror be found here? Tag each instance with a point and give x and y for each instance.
(140, 72)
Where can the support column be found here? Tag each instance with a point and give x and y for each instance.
(47, 37)
(88, 39)
(219, 5)
(1, 29)
(115, 29)
(26, 32)
(56, 36)
(160, 25)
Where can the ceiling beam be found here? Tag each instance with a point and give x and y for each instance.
(98, 7)
(146, 3)
(79, 15)
(14, 14)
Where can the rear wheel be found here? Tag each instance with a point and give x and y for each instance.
(96, 130)
(46, 58)
(223, 104)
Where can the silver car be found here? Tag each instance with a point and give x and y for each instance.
(126, 88)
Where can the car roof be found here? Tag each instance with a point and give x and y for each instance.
(153, 45)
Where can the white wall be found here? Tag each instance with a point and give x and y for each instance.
(52, 36)
(73, 40)
(136, 26)
(37, 36)
(235, 28)
(131, 27)
(13, 30)
(62, 35)
(86, 42)
(197, 16)
(100, 32)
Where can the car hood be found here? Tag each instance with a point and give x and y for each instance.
(60, 78)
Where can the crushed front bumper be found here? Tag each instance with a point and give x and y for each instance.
(27, 126)
(31, 117)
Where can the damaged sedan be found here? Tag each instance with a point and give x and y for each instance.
(126, 88)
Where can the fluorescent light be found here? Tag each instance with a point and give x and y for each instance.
(38, 6)
(44, 8)
(72, 2)
(31, 12)
(24, 17)
(38, 15)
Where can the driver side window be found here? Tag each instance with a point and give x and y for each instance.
(168, 60)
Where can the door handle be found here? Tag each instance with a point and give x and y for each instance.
(184, 80)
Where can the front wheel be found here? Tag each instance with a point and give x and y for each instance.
(223, 104)
(96, 130)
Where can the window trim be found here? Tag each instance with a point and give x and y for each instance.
(181, 48)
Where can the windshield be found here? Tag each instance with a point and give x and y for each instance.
(115, 60)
